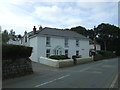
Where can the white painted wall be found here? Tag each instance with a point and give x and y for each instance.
(98, 47)
(10, 41)
(39, 47)
(56, 63)
(34, 55)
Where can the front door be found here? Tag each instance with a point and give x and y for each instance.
(58, 51)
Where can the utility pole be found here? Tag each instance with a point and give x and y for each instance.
(94, 42)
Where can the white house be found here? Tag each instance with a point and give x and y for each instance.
(51, 41)
(15, 41)
(93, 45)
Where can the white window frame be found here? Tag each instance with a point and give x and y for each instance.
(66, 42)
(77, 43)
(47, 52)
(66, 53)
(48, 41)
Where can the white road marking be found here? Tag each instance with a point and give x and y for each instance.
(114, 81)
(96, 72)
(84, 69)
(51, 81)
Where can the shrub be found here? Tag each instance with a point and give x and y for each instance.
(76, 56)
(106, 54)
(98, 57)
(15, 51)
(58, 57)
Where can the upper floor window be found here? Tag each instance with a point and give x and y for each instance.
(47, 41)
(66, 42)
(25, 38)
(77, 43)
(77, 53)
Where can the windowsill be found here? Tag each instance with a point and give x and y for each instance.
(48, 45)
(66, 46)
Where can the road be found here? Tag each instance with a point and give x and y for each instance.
(99, 74)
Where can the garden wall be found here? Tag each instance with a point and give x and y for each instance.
(62, 63)
(15, 61)
(19, 67)
(84, 60)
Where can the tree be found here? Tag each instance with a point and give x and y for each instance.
(5, 32)
(5, 37)
(80, 30)
(108, 37)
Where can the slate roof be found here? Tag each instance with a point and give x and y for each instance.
(60, 32)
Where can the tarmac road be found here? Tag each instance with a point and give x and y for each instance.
(99, 74)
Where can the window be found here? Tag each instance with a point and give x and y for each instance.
(47, 52)
(77, 53)
(47, 41)
(66, 42)
(66, 52)
(77, 43)
(26, 39)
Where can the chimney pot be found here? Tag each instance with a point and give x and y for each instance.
(34, 30)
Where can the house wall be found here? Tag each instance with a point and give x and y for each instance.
(39, 47)
(13, 42)
(34, 54)
(98, 47)
(23, 40)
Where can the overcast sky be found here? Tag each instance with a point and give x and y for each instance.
(21, 15)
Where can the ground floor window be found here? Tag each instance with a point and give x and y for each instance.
(77, 53)
(66, 52)
(47, 52)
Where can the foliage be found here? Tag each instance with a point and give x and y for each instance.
(80, 30)
(107, 35)
(5, 37)
(15, 51)
(104, 55)
(59, 57)
(76, 56)
(98, 57)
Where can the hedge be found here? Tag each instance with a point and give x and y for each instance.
(76, 56)
(98, 57)
(59, 57)
(10, 51)
(104, 55)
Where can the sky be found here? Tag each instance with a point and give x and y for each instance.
(22, 15)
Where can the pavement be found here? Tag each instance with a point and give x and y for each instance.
(99, 74)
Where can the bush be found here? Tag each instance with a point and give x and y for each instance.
(106, 54)
(98, 57)
(15, 51)
(76, 56)
(58, 57)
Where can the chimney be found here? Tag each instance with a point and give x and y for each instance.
(40, 27)
(34, 30)
(25, 32)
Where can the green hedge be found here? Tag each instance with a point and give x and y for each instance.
(15, 51)
(104, 55)
(98, 57)
(76, 56)
(58, 57)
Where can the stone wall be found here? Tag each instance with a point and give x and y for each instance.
(16, 68)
